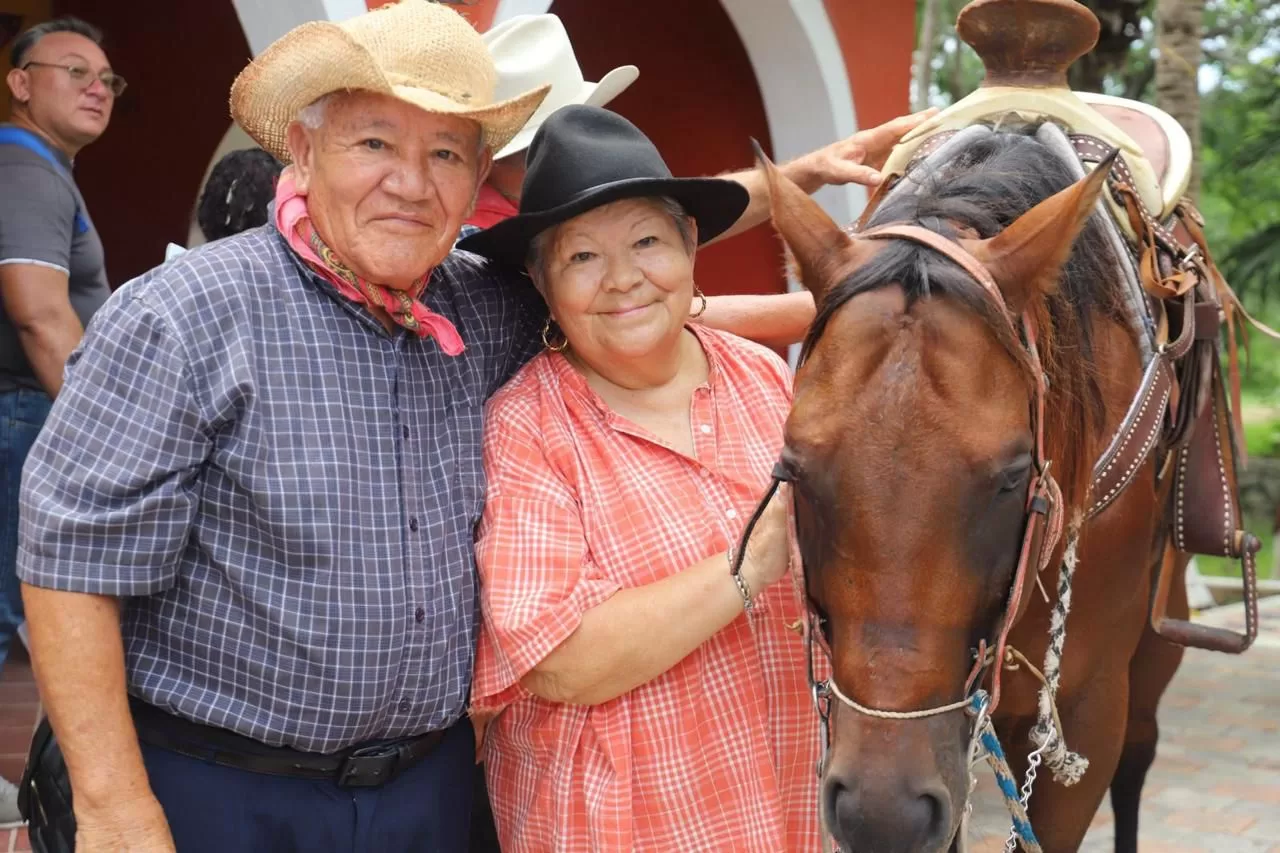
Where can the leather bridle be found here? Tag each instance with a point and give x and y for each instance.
(1042, 530)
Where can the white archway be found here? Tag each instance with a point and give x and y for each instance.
(264, 21)
(801, 73)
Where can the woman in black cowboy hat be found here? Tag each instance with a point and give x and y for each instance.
(648, 699)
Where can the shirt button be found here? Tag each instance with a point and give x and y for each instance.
(405, 705)
(406, 430)
(413, 524)
(731, 514)
(704, 473)
(419, 614)
(705, 428)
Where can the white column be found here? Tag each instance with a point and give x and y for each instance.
(800, 70)
(264, 21)
(808, 99)
(508, 9)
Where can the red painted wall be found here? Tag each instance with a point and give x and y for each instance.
(876, 39)
(697, 100)
(141, 178)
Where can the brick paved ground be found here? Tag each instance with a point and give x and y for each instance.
(1215, 786)
(19, 704)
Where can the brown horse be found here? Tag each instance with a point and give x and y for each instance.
(911, 446)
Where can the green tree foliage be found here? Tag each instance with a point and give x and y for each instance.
(1240, 125)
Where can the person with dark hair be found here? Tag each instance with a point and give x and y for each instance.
(235, 197)
(52, 277)
(24, 43)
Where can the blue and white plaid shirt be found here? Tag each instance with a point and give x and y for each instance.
(284, 493)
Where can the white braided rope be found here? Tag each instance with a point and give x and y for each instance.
(1067, 766)
(894, 715)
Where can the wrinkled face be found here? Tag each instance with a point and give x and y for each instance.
(618, 280)
(73, 111)
(388, 185)
(910, 499)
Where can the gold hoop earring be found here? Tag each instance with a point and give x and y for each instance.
(702, 308)
(546, 339)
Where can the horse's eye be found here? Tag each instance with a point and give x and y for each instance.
(1014, 477)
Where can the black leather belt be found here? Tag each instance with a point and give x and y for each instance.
(359, 766)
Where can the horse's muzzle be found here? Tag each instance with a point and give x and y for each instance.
(862, 820)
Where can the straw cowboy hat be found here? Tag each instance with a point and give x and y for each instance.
(530, 50)
(420, 52)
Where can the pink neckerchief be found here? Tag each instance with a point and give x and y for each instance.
(402, 305)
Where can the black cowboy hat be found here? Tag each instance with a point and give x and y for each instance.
(583, 157)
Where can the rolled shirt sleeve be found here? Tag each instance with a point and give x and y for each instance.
(536, 572)
(108, 490)
(40, 230)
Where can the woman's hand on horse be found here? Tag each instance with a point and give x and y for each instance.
(769, 548)
(857, 159)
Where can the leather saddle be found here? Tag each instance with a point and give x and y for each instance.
(1154, 146)
(1182, 413)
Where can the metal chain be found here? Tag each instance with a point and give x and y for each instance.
(975, 753)
(1028, 783)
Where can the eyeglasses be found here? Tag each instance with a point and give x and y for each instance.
(83, 77)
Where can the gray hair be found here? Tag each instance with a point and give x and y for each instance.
(312, 115)
(536, 258)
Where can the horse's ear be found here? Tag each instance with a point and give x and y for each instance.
(824, 253)
(1026, 258)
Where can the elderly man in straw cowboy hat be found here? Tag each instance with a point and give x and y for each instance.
(247, 529)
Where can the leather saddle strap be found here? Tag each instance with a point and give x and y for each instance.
(1189, 332)
(1226, 295)
(1090, 149)
(1155, 282)
(1206, 504)
(1137, 437)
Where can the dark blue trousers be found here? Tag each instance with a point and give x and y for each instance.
(213, 809)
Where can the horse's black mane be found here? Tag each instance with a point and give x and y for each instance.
(986, 186)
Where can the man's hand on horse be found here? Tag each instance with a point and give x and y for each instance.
(857, 159)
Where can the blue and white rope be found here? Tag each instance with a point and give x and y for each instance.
(993, 752)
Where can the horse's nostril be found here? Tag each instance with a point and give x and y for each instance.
(932, 815)
(839, 801)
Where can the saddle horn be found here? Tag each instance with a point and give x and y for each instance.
(1028, 43)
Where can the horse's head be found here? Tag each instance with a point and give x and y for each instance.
(911, 446)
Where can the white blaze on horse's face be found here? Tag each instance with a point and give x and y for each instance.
(911, 446)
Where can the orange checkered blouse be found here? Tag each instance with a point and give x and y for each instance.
(716, 754)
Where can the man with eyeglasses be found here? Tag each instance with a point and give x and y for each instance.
(52, 277)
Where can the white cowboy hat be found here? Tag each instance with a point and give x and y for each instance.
(423, 53)
(530, 50)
